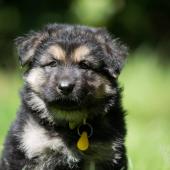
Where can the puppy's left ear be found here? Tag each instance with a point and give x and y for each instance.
(27, 46)
(115, 52)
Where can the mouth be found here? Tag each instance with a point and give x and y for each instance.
(75, 104)
(65, 104)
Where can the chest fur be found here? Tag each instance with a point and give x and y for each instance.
(36, 141)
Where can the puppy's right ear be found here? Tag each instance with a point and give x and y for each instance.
(27, 46)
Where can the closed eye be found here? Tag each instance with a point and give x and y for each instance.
(53, 63)
(84, 64)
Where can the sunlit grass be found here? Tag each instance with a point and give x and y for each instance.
(146, 99)
(9, 100)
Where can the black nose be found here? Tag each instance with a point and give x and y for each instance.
(65, 87)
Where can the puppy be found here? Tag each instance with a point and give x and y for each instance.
(70, 115)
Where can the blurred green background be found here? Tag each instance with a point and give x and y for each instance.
(143, 25)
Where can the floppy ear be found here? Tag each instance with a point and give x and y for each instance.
(114, 50)
(27, 46)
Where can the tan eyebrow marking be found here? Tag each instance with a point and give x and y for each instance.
(57, 52)
(80, 52)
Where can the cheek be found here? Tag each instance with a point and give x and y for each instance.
(109, 90)
(36, 79)
(100, 85)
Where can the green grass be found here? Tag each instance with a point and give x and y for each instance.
(9, 101)
(146, 99)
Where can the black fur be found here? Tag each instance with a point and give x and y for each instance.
(104, 113)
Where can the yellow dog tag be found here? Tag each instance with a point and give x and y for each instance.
(83, 142)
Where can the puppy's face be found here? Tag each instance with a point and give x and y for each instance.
(69, 79)
(72, 69)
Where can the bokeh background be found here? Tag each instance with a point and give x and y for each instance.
(144, 25)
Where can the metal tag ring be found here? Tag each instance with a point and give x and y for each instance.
(88, 126)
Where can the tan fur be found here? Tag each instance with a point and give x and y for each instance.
(80, 53)
(29, 54)
(36, 140)
(36, 79)
(102, 86)
(57, 52)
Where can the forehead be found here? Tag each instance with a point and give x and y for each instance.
(74, 53)
(72, 45)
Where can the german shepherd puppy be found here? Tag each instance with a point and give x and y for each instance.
(71, 115)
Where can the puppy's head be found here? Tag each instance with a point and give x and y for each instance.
(72, 70)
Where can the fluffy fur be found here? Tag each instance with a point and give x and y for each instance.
(71, 76)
